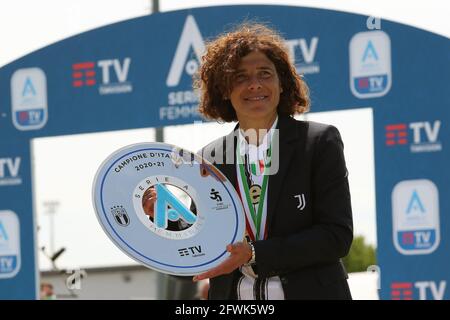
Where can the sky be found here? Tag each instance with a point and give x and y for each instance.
(37, 24)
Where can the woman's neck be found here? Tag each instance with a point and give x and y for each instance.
(260, 126)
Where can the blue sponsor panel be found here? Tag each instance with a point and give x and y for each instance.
(412, 206)
(18, 277)
(114, 81)
(105, 80)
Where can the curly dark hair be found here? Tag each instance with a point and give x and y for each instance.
(223, 56)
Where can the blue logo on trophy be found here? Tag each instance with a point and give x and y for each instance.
(168, 207)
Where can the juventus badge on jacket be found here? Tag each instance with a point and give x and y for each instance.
(301, 201)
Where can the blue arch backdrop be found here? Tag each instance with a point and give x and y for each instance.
(137, 73)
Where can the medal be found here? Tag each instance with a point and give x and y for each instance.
(255, 193)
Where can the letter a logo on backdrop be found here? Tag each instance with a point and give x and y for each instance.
(190, 36)
(29, 99)
(370, 64)
(9, 244)
(415, 213)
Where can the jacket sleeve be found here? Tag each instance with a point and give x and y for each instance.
(330, 236)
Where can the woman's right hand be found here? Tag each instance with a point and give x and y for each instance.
(148, 201)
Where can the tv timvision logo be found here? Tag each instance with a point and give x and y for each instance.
(370, 64)
(423, 290)
(10, 171)
(420, 136)
(113, 75)
(304, 54)
(195, 251)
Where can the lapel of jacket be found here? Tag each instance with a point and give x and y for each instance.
(228, 166)
(281, 152)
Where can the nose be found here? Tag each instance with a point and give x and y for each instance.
(254, 83)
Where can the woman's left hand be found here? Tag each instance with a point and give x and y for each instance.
(240, 253)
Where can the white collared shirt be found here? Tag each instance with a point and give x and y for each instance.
(256, 152)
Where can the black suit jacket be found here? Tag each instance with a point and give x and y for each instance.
(303, 247)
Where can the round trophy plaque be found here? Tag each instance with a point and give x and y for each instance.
(196, 214)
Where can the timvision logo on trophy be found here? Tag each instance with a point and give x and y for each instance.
(197, 211)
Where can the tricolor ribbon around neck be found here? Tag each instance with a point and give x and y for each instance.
(254, 216)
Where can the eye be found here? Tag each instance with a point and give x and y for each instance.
(265, 74)
(239, 78)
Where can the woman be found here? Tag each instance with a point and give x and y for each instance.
(298, 217)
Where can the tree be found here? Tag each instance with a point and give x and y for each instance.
(360, 257)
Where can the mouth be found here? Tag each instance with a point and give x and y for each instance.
(257, 98)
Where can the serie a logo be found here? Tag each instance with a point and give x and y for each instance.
(176, 211)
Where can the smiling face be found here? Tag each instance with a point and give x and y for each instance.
(256, 88)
